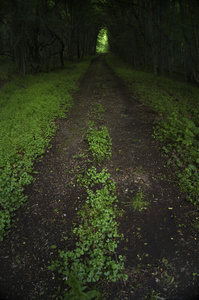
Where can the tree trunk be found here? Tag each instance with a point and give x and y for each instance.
(152, 41)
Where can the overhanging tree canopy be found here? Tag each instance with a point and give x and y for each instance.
(32, 32)
(157, 35)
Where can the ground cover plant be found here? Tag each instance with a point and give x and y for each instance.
(98, 111)
(99, 142)
(94, 257)
(29, 105)
(139, 201)
(177, 125)
(96, 234)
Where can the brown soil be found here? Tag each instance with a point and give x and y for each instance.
(160, 246)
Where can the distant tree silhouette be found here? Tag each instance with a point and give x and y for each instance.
(157, 35)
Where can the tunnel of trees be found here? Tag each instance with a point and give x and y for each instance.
(161, 36)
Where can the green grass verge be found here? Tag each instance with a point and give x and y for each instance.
(29, 105)
(178, 123)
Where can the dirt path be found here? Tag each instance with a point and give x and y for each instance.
(160, 247)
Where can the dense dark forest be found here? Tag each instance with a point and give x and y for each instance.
(34, 32)
(159, 36)
(99, 154)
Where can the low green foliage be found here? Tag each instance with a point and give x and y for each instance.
(98, 111)
(154, 296)
(29, 105)
(138, 202)
(91, 178)
(196, 225)
(177, 124)
(96, 234)
(94, 256)
(99, 142)
(77, 291)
